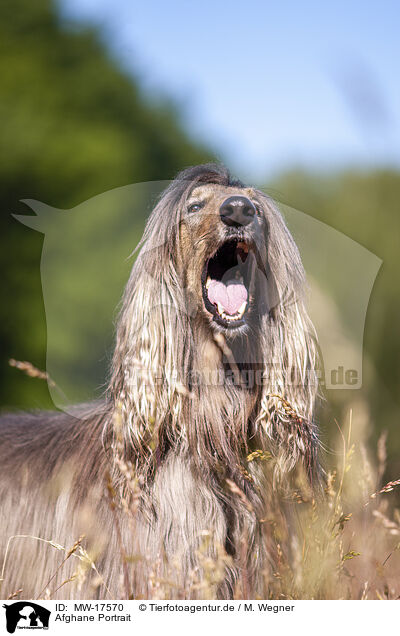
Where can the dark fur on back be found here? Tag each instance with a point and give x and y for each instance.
(168, 473)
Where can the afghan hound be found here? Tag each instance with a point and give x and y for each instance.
(163, 489)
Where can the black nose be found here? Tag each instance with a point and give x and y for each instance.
(237, 211)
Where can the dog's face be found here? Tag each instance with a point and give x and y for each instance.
(223, 243)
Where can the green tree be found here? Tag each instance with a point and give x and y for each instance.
(73, 124)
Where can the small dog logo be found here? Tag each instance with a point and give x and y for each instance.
(26, 615)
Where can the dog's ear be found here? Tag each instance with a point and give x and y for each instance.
(270, 251)
(151, 358)
(289, 349)
(290, 388)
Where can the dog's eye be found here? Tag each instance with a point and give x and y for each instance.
(195, 207)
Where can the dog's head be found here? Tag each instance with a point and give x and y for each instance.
(226, 246)
(217, 256)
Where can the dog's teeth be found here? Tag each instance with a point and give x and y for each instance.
(228, 317)
(242, 308)
(208, 282)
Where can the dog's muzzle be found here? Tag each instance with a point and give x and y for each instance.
(237, 211)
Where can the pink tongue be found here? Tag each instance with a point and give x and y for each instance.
(230, 296)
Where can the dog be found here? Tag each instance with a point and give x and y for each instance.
(163, 488)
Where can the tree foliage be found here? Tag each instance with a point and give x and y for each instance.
(73, 125)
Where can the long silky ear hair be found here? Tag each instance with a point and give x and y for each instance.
(289, 348)
(152, 354)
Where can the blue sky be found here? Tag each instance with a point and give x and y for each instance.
(269, 85)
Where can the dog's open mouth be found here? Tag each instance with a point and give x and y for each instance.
(226, 282)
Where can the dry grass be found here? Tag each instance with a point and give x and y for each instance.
(345, 545)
